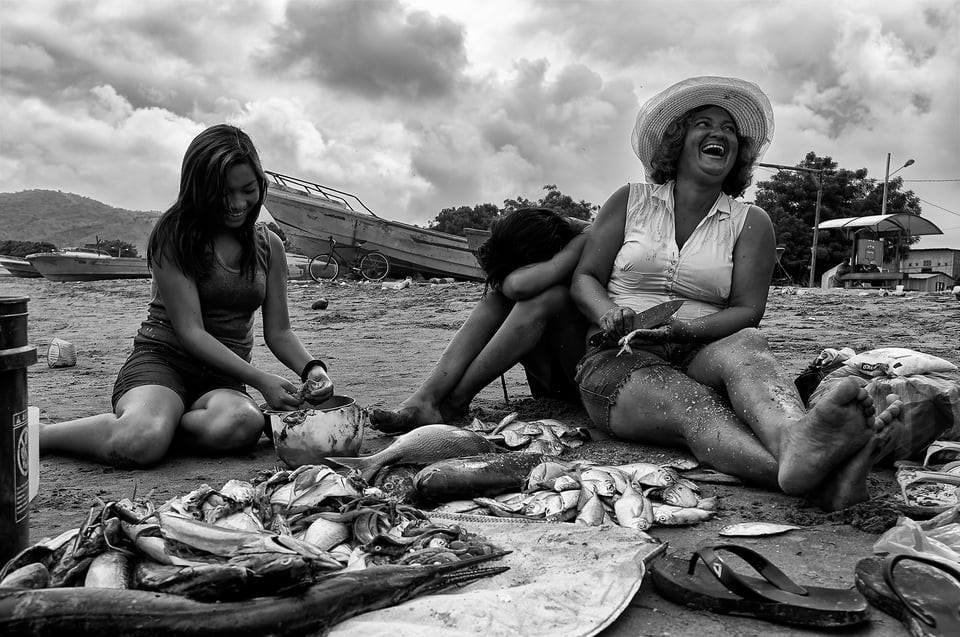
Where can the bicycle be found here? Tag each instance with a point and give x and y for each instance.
(369, 264)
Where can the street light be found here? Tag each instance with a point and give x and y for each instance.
(816, 213)
(886, 178)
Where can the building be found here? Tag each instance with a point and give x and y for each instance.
(931, 269)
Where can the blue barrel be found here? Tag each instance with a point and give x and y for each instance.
(15, 356)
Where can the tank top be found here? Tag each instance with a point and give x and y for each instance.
(650, 269)
(228, 303)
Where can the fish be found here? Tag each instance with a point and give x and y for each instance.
(755, 529)
(670, 515)
(33, 575)
(483, 475)
(600, 479)
(422, 446)
(679, 495)
(592, 512)
(633, 510)
(325, 534)
(80, 612)
(110, 569)
(545, 474)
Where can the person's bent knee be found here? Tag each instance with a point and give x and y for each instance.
(545, 304)
(138, 445)
(749, 339)
(233, 429)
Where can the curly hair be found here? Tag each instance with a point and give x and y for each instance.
(664, 160)
(525, 236)
(187, 228)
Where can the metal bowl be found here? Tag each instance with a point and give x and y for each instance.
(308, 436)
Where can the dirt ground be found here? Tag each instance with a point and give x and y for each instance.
(380, 343)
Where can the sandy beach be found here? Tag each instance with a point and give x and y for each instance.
(379, 344)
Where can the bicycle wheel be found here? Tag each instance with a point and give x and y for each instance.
(374, 266)
(323, 267)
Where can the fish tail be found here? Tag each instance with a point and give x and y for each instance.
(367, 468)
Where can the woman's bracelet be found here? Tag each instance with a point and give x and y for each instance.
(310, 365)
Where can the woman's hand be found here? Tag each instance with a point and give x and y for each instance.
(617, 321)
(674, 331)
(318, 387)
(279, 393)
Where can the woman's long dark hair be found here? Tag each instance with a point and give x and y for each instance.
(185, 231)
(525, 236)
(664, 160)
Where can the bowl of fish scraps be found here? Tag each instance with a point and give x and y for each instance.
(307, 436)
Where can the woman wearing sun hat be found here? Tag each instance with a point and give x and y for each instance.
(707, 380)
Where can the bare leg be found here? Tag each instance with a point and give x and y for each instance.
(423, 406)
(480, 351)
(661, 405)
(137, 435)
(847, 485)
(807, 444)
(222, 421)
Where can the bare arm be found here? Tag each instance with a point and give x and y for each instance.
(589, 286)
(282, 341)
(533, 279)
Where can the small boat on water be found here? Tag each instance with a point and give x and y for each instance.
(87, 265)
(310, 214)
(19, 267)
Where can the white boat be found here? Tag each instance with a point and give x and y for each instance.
(19, 267)
(87, 265)
(310, 214)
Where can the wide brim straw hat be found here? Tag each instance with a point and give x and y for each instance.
(746, 103)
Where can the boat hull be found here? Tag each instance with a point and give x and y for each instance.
(19, 268)
(60, 267)
(308, 221)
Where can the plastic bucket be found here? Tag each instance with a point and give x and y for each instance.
(61, 353)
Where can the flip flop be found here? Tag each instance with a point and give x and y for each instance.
(945, 446)
(714, 586)
(926, 602)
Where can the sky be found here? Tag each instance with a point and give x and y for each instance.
(419, 105)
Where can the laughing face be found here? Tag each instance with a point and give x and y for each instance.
(711, 145)
(241, 196)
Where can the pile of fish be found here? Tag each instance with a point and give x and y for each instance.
(637, 495)
(286, 533)
(545, 436)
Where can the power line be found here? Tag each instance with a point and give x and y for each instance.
(910, 181)
(940, 207)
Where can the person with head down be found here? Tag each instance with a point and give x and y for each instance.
(707, 379)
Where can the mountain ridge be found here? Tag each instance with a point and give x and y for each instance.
(68, 219)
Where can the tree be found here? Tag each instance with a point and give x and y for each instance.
(116, 248)
(20, 249)
(482, 216)
(790, 198)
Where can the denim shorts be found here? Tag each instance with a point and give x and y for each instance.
(601, 372)
(159, 365)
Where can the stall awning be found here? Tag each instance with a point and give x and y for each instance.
(900, 223)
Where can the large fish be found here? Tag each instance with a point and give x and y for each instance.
(483, 475)
(424, 445)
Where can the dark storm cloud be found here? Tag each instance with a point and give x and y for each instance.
(374, 48)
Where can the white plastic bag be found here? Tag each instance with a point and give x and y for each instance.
(898, 361)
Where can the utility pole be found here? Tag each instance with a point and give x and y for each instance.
(816, 214)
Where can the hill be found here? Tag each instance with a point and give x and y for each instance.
(65, 219)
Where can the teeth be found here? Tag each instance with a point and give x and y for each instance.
(714, 149)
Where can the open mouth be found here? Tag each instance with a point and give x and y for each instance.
(714, 149)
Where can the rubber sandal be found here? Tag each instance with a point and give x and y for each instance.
(712, 585)
(927, 603)
(942, 446)
(939, 494)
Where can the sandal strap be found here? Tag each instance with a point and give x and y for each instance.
(734, 582)
(888, 577)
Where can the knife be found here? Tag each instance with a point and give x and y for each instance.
(648, 319)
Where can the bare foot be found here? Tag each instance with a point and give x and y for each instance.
(407, 417)
(847, 485)
(836, 428)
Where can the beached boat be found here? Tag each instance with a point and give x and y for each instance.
(310, 214)
(19, 267)
(87, 265)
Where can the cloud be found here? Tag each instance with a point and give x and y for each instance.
(374, 48)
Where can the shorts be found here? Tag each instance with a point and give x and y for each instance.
(159, 365)
(601, 373)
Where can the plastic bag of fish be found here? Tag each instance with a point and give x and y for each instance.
(638, 495)
(277, 534)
